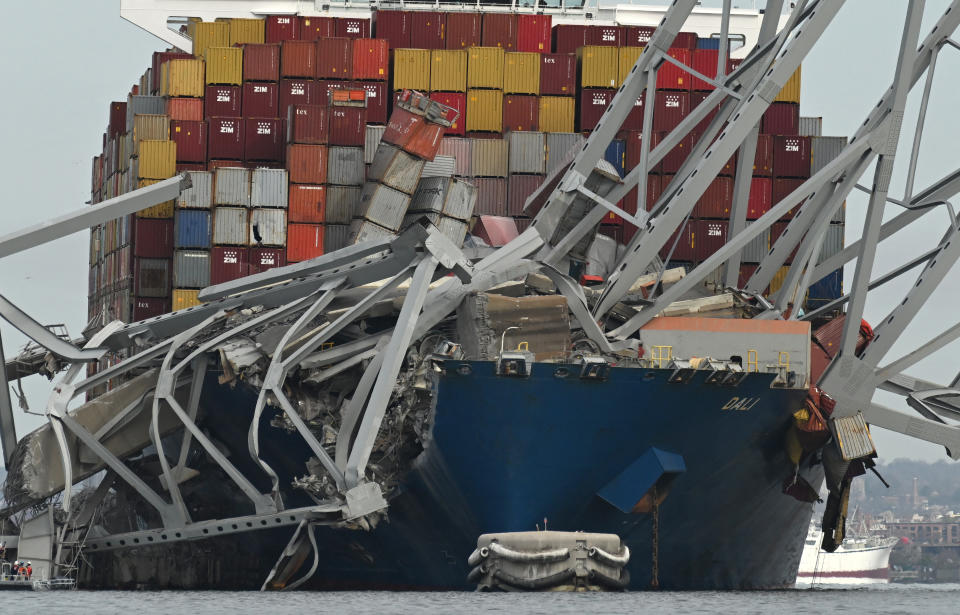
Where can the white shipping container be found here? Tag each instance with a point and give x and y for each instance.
(561, 146)
(232, 186)
(383, 205)
(440, 166)
(447, 196)
(489, 157)
(341, 203)
(345, 166)
(758, 247)
(832, 242)
(395, 168)
(364, 230)
(230, 226)
(459, 149)
(335, 236)
(200, 195)
(268, 188)
(191, 269)
(527, 152)
(371, 142)
(268, 227)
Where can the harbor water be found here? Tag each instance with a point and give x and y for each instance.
(933, 599)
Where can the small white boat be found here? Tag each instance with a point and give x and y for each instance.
(857, 561)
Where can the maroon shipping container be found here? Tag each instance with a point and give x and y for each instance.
(696, 99)
(261, 62)
(228, 264)
(118, 119)
(558, 74)
(464, 30)
(605, 36)
(521, 112)
(307, 164)
(706, 237)
(500, 30)
(298, 59)
(685, 40)
(717, 199)
(393, 27)
(152, 238)
(299, 92)
(458, 101)
(191, 140)
(427, 29)
(313, 28)
(569, 38)
(672, 77)
(349, 27)
(683, 250)
(669, 110)
(519, 187)
(781, 118)
(281, 28)
(776, 229)
(782, 187)
(491, 196)
(533, 33)
(704, 62)
(637, 36)
(213, 165)
(761, 197)
(261, 100)
(348, 126)
(222, 101)
(326, 86)
(263, 139)
(403, 125)
(634, 119)
(791, 156)
(148, 307)
(334, 58)
(159, 57)
(378, 99)
(262, 259)
(674, 160)
(370, 59)
(593, 104)
(225, 138)
(632, 143)
(763, 163)
(191, 166)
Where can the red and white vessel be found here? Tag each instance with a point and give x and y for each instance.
(858, 561)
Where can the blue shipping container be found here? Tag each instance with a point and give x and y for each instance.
(192, 229)
(708, 43)
(615, 154)
(825, 290)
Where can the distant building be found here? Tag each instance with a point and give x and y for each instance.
(927, 533)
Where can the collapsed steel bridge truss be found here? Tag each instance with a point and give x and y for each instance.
(574, 200)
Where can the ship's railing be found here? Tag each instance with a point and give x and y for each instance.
(532, 6)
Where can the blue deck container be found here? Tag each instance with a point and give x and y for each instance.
(193, 229)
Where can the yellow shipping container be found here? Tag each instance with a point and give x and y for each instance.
(411, 69)
(160, 210)
(206, 34)
(184, 298)
(448, 70)
(485, 67)
(484, 110)
(598, 66)
(244, 31)
(791, 89)
(557, 113)
(183, 78)
(149, 127)
(224, 65)
(627, 58)
(778, 279)
(158, 159)
(521, 73)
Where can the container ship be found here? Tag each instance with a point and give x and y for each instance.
(699, 443)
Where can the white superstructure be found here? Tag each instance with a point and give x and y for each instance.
(858, 561)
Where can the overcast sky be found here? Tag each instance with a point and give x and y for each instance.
(62, 67)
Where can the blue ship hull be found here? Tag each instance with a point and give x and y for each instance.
(507, 453)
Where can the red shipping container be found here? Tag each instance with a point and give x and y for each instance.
(281, 28)
(558, 74)
(637, 36)
(746, 272)
(782, 187)
(706, 237)
(605, 36)
(371, 59)
(334, 58)
(519, 187)
(634, 119)
(213, 165)
(261, 100)
(222, 101)
(307, 203)
(569, 38)
(593, 104)
(349, 27)
(263, 139)
(696, 98)
(299, 92)
(228, 264)
(225, 138)
(763, 163)
(669, 110)
(148, 307)
(427, 29)
(313, 28)
(347, 126)
(186, 109)
(521, 112)
(402, 126)
(458, 101)
(716, 201)
(298, 59)
(629, 205)
(533, 33)
(152, 238)
(704, 62)
(308, 124)
(781, 118)
(776, 229)
(671, 76)
(304, 241)
(191, 140)
(761, 197)
(261, 62)
(632, 143)
(425, 143)
(378, 99)
(393, 27)
(463, 30)
(674, 160)
(683, 250)
(791, 156)
(500, 30)
(307, 164)
(262, 259)
(118, 119)
(159, 57)
(685, 40)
